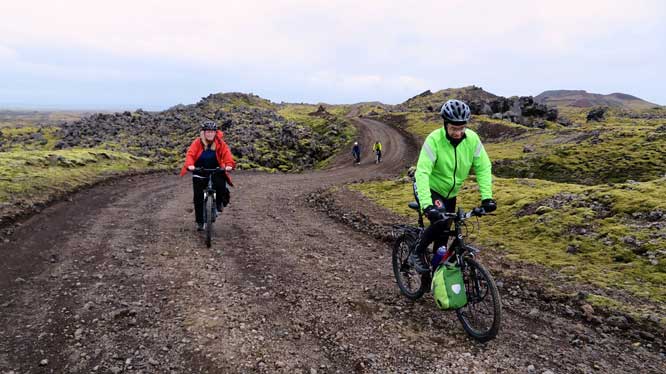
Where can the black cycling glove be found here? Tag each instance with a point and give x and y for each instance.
(432, 213)
(489, 205)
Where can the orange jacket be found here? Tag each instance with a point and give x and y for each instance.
(224, 157)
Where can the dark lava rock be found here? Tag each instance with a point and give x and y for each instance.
(257, 135)
(596, 114)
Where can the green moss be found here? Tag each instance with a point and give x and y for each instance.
(33, 175)
(28, 138)
(300, 114)
(616, 150)
(332, 126)
(635, 311)
(590, 220)
(370, 110)
(422, 124)
(390, 194)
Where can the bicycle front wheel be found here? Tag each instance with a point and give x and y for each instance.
(209, 209)
(482, 314)
(411, 283)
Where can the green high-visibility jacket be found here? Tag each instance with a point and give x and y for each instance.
(443, 167)
(377, 147)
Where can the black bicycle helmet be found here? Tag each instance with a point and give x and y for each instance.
(208, 125)
(455, 111)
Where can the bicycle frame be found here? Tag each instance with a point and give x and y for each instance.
(457, 246)
(209, 189)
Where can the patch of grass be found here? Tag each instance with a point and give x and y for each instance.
(390, 194)
(584, 155)
(422, 124)
(32, 176)
(370, 110)
(616, 150)
(300, 114)
(338, 110)
(635, 311)
(613, 243)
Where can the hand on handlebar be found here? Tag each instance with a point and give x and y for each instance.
(433, 213)
(488, 205)
(480, 211)
(228, 168)
(190, 168)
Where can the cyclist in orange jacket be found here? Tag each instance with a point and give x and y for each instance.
(209, 151)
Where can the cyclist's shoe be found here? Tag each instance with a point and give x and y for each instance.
(199, 226)
(418, 263)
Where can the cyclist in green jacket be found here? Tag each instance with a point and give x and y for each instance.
(378, 151)
(447, 156)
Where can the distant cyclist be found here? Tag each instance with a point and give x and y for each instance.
(377, 148)
(209, 151)
(447, 156)
(356, 152)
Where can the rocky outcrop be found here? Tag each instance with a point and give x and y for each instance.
(596, 115)
(523, 110)
(257, 135)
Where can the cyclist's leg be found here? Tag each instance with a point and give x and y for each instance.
(198, 186)
(220, 186)
(433, 233)
(450, 206)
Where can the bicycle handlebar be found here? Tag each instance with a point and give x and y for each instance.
(462, 215)
(218, 169)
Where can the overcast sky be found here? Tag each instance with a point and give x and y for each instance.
(128, 54)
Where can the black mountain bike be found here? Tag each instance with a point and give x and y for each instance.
(481, 316)
(209, 212)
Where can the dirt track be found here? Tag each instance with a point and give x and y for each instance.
(117, 280)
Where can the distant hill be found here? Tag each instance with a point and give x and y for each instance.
(584, 99)
(20, 118)
(431, 101)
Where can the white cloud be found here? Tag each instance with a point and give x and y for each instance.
(366, 81)
(7, 54)
(228, 32)
(385, 47)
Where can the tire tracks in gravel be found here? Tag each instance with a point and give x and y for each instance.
(284, 288)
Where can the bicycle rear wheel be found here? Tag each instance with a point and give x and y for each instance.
(209, 212)
(411, 283)
(482, 314)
